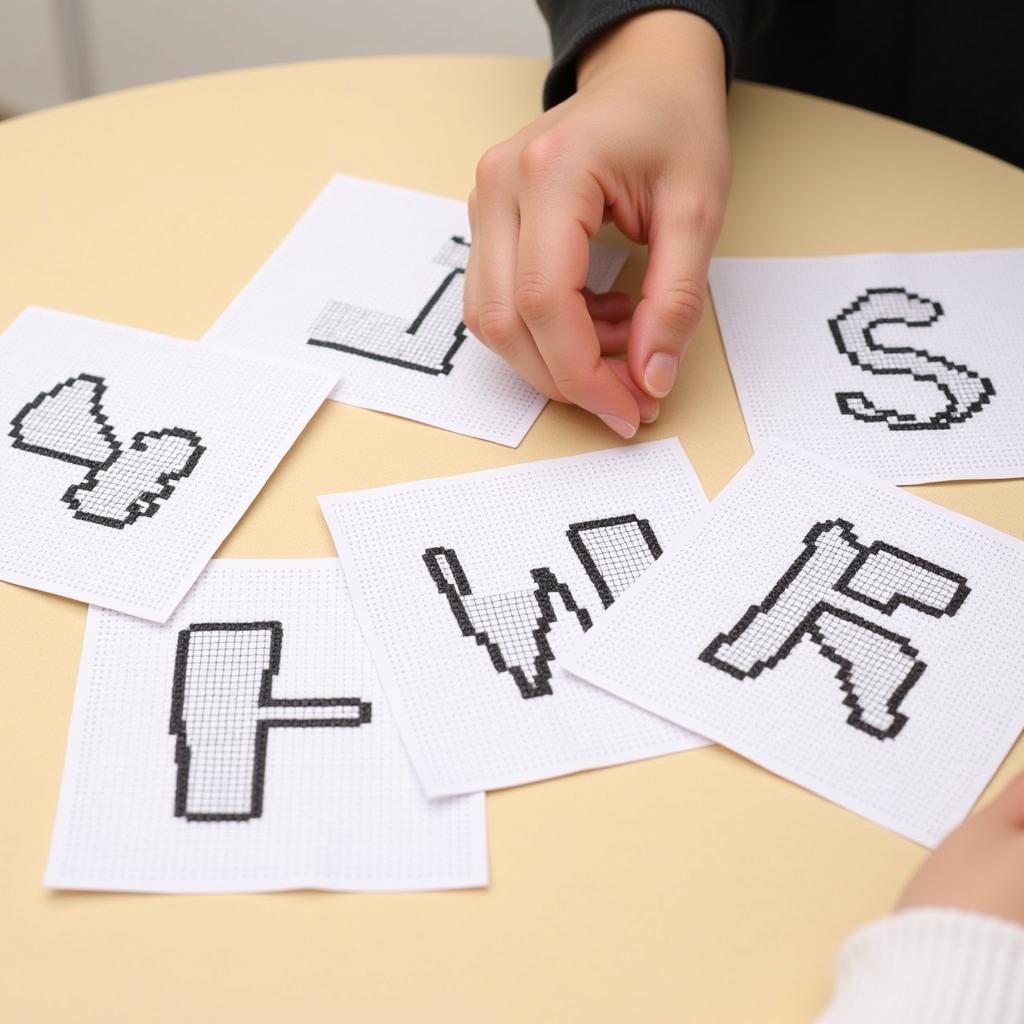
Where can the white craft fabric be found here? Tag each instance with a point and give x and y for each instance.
(162, 752)
(369, 284)
(946, 403)
(126, 457)
(899, 713)
(498, 549)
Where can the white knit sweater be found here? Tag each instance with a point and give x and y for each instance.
(930, 966)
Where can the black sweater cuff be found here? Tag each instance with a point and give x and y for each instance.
(575, 24)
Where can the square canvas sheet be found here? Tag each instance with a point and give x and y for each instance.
(469, 589)
(246, 746)
(127, 457)
(847, 636)
(905, 366)
(369, 284)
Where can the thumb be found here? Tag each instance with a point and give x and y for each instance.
(672, 296)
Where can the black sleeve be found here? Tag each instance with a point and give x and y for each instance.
(574, 24)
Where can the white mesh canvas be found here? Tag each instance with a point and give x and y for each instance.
(244, 746)
(847, 636)
(369, 284)
(127, 457)
(906, 366)
(470, 588)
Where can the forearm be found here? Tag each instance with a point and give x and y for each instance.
(577, 25)
(681, 48)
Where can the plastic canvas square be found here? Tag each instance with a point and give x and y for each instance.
(127, 457)
(905, 366)
(470, 588)
(245, 746)
(369, 284)
(857, 640)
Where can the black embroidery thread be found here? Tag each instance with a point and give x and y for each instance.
(513, 627)
(340, 323)
(965, 391)
(832, 551)
(846, 584)
(95, 407)
(607, 583)
(122, 485)
(241, 711)
(513, 606)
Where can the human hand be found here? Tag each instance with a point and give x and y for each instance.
(980, 865)
(643, 143)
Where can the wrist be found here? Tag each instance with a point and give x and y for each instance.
(659, 43)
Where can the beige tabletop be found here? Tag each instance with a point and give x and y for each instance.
(695, 887)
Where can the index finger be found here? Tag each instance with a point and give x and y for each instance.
(551, 272)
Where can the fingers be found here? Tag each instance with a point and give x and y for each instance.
(681, 240)
(647, 406)
(611, 312)
(489, 306)
(613, 338)
(469, 287)
(469, 304)
(610, 306)
(524, 291)
(559, 211)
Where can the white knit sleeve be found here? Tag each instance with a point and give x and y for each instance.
(930, 966)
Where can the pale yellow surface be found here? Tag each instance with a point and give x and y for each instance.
(692, 888)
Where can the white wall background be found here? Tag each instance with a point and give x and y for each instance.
(55, 50)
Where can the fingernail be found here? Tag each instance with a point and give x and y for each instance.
(621, 427)
(660, 374)
(654, 415)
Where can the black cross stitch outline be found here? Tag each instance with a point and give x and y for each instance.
(148, 502)
(808, 625)
(446, 360)
(893, 418)
(178, 726)
(95, 408)
(586, 559)
(547, 584)
(845, 583)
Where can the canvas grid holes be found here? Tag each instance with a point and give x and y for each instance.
(876, 667)
(965, 392)
(342, 807)
(395, 337)
(223, 709)
(902, 365)
(427, 344)
(513, 626)
(463, 717)
(245, 410)
(963, 713)
(123, 483)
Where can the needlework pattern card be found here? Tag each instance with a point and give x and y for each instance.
(369, 284)
(126, 457)
(857, 640)
(470, 588)
(246, 746)
(905, 366)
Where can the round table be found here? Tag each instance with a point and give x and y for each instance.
(696, 887)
